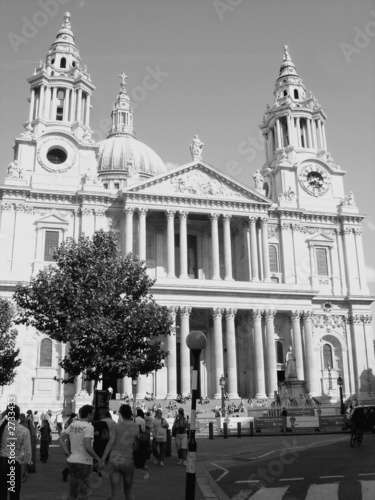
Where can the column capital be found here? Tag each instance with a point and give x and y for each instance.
(217, 313)
(264, 221)
(357, 231)
(185, 311)
(214, 216)
(270, 314)
(256, 313)
(142, 211)
(183, 214)
(286, 227)
(170, 214)
(227, 217)
(172, 311)
(295, 315)
(345, 230)
(230, 312)
(129, 210)
(252, 219)
(307, 315)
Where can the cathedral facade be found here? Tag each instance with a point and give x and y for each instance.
(258, 270)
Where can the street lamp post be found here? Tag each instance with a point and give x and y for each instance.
(222, 385)
(196, 342)
(134, 389)
(340, 383)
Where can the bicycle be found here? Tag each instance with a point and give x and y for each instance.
(357, 435)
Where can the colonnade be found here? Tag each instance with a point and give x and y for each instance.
(76, 107)
(256, 238)
(313, 130)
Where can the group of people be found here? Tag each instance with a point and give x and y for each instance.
(91, 442)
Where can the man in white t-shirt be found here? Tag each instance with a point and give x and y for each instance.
(80, 434)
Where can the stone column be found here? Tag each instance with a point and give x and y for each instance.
(73, 106)
(313, 370)
(271, 352)
(349, 258)
(79, 383)
(79, 106)
(278, 135)
(324, 136)
(172, 358)
(215, 247)
(141, 387)
(53, 104)
(253, 249)
(227, 248)
(297, 343)
(360, 259)
(87, 115)
(32, 104)
(129, 229)
(170, 237)
(298, 133)
(142, 212)
(232, 386)
(184, 351)
(260, 386)
(183, 246)
(218, 356)
(47, 103)
(66, 105)
(41, 101)
(369, 353)
(266, 257)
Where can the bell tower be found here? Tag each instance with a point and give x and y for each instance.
(298, 170)
(58, 135)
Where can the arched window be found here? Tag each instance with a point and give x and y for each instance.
(45, 358)
(327, 356)
(274, 261)
(63, 62)
(266, 189)
(279, 352)
(296, 96)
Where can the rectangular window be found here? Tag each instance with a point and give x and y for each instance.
(50, 244)
(321, 261)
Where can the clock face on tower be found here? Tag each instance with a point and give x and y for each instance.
(314, 179)
(56, 154)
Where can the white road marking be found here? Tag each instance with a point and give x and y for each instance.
(368, 490)
(328, 491)
(367, 474)
(293, 479)
(249, 481)
(270, 493)
(328, 477)
(261, 456)
(226, 471)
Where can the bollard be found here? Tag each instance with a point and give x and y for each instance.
(168, 447)
(238, 429)
(251, 428)
(225, 429)
(210, 430)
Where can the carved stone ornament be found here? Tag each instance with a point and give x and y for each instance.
(14, 170)
(288, 195)
(197, 183)
(59, 143)
(348, 200)
(328, 321)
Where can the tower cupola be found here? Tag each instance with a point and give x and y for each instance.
(61, 89)
(122, 112)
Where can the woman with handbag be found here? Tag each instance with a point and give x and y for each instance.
(120, 446)
(159, 428)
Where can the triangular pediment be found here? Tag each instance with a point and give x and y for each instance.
(321, 238)
(52, 219)
(198, 180)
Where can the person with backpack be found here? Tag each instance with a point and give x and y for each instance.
(179, 432)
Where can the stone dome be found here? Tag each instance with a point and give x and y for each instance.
(125, 153)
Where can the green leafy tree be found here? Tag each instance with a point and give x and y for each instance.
(99, 302)
(8, 351)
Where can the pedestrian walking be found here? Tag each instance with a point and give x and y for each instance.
(120, 446)
(36, 419)
(140, 421)
(179, 432)
(59, 423)
(45, 440)
(159, 437)
(80, 434)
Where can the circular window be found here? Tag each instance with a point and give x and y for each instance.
(57, 156)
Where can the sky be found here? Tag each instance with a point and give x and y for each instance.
(208, 67)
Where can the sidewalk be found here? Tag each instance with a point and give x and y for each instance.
(165, 483)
